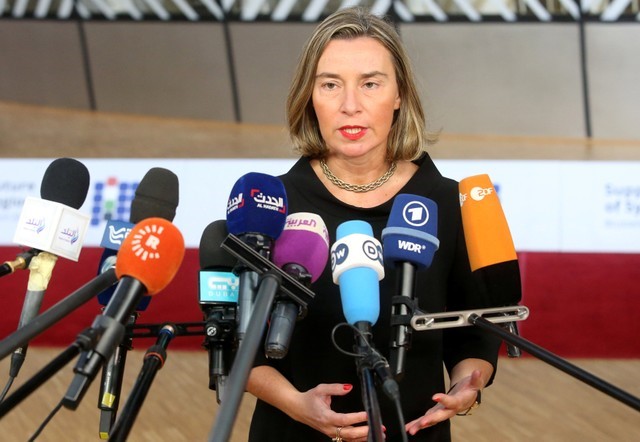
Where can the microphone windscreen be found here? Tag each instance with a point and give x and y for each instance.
(157, 195)
(151, 253)
(257, 204)
(411, 234)
(485, 227)
(212, 255)
(66, 181)
(304, 241)
(357, 267)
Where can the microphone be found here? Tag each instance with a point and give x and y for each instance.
(147, 261)
(410, 241)
(53, 227)
(218, 297)
(66, 182)
(302, 251)
(492, 254)
(256, 214)
(156, 195)
(357, 267)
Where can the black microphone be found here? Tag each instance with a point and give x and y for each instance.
(147, 261)
(218, 298)
(256, 213)
(53, 227)
(302, 251)
(410, 241)
(157, 195)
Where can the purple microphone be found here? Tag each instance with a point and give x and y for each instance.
(302, 251)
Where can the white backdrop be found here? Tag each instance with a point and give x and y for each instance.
(561, 206)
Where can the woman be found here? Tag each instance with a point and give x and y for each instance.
(355, 117)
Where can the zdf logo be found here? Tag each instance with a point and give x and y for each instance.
(478, 193)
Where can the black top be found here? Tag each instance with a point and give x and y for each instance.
(446, 285)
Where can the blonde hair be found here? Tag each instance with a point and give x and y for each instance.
(408, 137)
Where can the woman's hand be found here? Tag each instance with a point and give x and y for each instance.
(313, 408)
(459, 399)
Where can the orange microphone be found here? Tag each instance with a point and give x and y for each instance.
(147, 261)
(485, 227)
(151, 254)
(492, 254)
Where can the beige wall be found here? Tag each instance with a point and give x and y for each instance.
(490, 78)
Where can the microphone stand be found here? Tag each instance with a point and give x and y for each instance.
(274, 280)
(220, 342)
(21, 262)
(62, 308)
(486, 319)
(557, 362)
(111, 383)
(366, 373)
(82, 343)
(269, 285)
(154, 360)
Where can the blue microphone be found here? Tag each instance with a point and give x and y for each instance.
(257, 204)
(410, 241)
(357, 267)
(256, 214)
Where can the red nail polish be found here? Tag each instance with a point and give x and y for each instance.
(347, 387)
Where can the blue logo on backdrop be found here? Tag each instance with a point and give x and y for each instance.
(112, 200)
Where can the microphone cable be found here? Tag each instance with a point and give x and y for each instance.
(373, 359)
(6, 388)
(46, 421)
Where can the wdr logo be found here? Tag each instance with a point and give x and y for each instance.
(112, 200)
(411, 246)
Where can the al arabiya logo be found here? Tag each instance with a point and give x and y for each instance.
(415, 213)
(145, 242)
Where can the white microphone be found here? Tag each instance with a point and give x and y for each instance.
(53, 227)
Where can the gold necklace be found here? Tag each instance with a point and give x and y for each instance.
(357, 187)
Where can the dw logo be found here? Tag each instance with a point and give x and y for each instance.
(339, 255)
